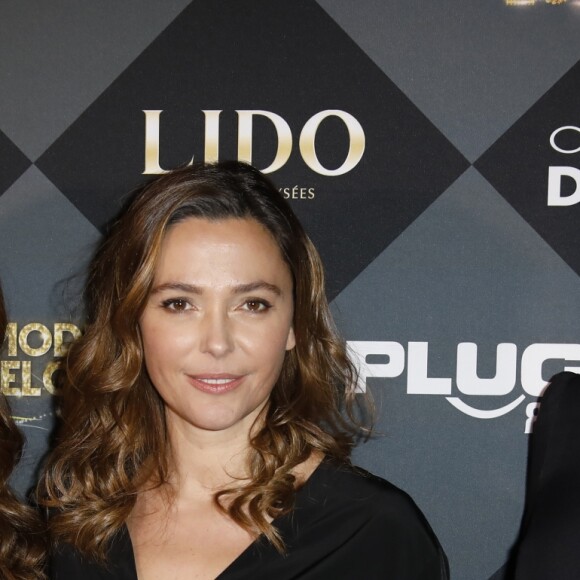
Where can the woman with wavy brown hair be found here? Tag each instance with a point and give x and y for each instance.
(207, 409)
(22, 549)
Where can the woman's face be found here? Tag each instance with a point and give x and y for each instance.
(217, 323)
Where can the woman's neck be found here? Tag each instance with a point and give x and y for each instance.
(205, 461)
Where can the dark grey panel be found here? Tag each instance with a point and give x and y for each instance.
(535, 165)
(13, 163)
(473, 67)
(62, 55)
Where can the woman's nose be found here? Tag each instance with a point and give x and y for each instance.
(216, 335)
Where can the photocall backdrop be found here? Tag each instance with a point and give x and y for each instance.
(432, 149)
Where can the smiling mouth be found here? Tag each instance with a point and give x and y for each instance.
(215, 385)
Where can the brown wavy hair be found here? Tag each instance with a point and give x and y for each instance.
(22, 549)
(113, 442)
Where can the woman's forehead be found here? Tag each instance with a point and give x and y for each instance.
(220, 252)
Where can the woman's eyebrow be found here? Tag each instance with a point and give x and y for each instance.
(258, 285)
(181, 286)
(239, 289)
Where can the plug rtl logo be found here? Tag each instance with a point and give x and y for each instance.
(467, 380)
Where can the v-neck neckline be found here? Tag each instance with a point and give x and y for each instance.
(281, 521)
(126, 543)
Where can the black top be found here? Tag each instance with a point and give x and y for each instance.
(346, 524)
(549, 543)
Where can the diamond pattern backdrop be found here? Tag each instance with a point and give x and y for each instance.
(440, 235)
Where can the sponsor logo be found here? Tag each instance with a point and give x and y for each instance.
(415, 358)
(535, 166)
(564, 140)
(34, 341)
(284, 139)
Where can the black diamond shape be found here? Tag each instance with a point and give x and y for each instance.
(517, 165)
(289, 58)
(14, 163)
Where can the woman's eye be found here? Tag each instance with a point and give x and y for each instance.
(257, 305)
(176, 304)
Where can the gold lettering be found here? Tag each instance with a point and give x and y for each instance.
(152, 166)
(6, 377)
(45, 336)
(47, 381)
(60, 346)
(27, 389)
(283, 132)
(212, 136)
(356, 142)
(11, 338)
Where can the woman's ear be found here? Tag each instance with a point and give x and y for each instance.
(291, 342)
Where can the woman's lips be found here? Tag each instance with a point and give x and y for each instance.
(215, 383)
